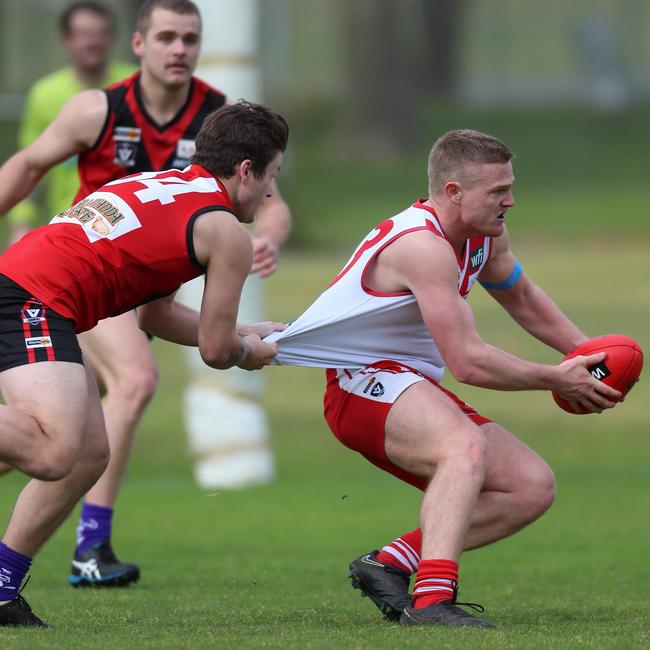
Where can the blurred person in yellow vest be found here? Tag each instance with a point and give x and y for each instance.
(87, 36)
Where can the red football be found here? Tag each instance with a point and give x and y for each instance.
(620, 369)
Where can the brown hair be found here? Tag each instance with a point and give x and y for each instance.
(453, 152)
(143, 21)
(241, 131)
(65, 19)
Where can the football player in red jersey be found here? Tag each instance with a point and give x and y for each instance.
(130, 244)
(146, 122)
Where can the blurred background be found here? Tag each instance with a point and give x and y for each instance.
(367, 86)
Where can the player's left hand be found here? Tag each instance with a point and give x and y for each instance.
(265, 256)
(262, 329)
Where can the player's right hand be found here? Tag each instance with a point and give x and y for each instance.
(582, 390)
(262, 329)
(260, 354)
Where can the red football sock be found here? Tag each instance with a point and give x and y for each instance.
(436, 582)
(404, 552)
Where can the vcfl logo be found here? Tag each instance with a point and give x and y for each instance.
(33, 316)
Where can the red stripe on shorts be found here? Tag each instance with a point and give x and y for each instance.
(27, 331)
(45, 328)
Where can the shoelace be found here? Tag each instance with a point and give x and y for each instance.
(20, 601)
(20, 591)
(475, 606)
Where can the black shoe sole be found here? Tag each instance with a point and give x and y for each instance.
(389, 612)
(117, 581)
(411, 617)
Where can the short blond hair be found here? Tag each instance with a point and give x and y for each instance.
(454, 151)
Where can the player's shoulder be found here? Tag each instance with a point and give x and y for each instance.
(419, 252)
(83, 116)
(218, 221)
(87, 105)
(219, 232)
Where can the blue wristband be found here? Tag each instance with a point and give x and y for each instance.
(508, 283)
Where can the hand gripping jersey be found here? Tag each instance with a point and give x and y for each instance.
(126, 244)
(130, 140)
(352, 326)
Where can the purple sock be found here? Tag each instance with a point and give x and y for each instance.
(13, 568)
(95, 524)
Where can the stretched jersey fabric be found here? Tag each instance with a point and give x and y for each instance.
(131, 141)
(352, 326)
(126, 244)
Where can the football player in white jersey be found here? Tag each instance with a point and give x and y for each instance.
(386, 327)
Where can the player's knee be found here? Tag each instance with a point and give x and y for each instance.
(136, 384)
(97, 456)
(145, 382)
(467, 450)
(93, 460)
(476, 454)
(538, 492)
(54, 464)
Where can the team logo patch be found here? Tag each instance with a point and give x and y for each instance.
(33, 342)
(33, 315)
(376, 388)
(127, 134)
(476, 258)
(185, 149)
(600, 371)
(125, 153)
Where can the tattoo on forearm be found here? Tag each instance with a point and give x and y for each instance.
(237, 357)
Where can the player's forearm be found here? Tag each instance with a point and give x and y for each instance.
(486, 366)
(170, 321)
(542, 318)
(17, 179)
(274, 221)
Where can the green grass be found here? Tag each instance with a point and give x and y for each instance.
(266, 567)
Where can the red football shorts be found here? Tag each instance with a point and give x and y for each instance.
(357, 404)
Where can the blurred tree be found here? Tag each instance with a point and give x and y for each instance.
(398, 54)
(442, 21)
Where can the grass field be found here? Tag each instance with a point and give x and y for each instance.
(266, 567)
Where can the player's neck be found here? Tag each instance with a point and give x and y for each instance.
(162, 102)
(455, 230)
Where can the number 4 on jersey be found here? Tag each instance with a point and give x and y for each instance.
(166, 189)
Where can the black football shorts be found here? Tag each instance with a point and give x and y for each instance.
(31, 332)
